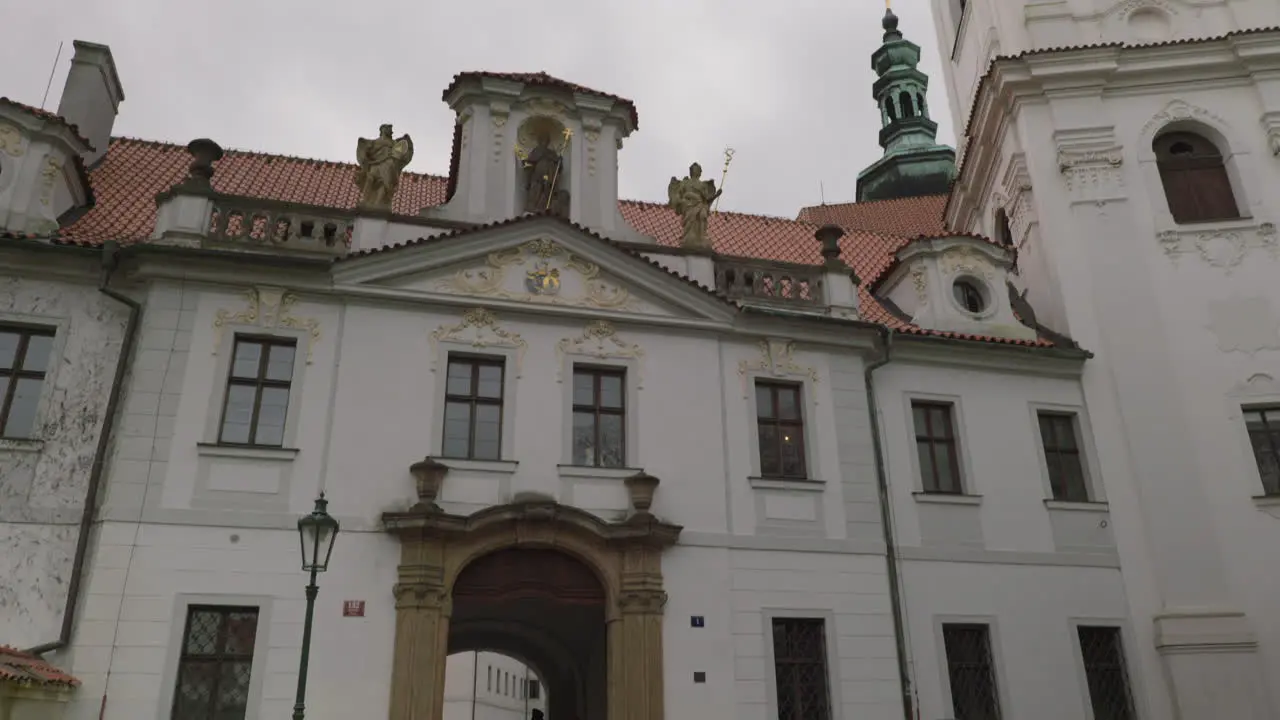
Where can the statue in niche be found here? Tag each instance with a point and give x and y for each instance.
(380, 163)
(542, 178)
(691, 198)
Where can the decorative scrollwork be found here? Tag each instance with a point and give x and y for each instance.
(479, 328)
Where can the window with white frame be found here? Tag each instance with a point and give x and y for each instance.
(599, 416)
(473, 407)
(1110, 694)
(971, 671)
(780, 429)
(1063, 457)
(937, 446)
(24, 361)
(256, 404)
(215, 663)
(800, 668)
(1263, 424)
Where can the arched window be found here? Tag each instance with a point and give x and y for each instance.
(908, 108)
(1195, 178)
(1004, 234)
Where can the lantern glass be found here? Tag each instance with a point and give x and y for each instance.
(317, 532)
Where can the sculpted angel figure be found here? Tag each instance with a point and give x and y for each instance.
(691, 198)
(381, 161)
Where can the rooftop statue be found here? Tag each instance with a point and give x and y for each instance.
(691, 198)
(381, 161)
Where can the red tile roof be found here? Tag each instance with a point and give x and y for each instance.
(545, 80)
(48, 117)
(23, 668)
(133, 172)
(908, 217)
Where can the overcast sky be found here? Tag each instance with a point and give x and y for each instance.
(787, 84)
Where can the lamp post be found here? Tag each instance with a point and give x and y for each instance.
(317, 532)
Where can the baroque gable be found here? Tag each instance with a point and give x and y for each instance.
(534, 262)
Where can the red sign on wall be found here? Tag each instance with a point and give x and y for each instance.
(352, 608)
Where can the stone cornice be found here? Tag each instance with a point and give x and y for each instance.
(1041, 75)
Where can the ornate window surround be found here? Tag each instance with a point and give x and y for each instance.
(1180, 115)
(266, 314)
(599, 344)
(776, 361)
(478, 332)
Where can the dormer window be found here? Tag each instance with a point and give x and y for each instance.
(1194, 175)
(949, 284)
(969, 296)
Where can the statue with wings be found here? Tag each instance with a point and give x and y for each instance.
(380, 163)
(691, 198)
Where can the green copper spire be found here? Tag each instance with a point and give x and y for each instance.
(913, 163)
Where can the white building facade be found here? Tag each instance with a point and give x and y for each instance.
(1130, 172)
(871, 468)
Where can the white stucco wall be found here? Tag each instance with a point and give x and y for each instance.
(184, 523)
(1165, 409)
(43, 480)
(489, 686)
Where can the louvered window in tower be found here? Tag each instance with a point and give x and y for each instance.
(1195, 178)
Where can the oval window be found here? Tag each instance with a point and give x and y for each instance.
(969, 296)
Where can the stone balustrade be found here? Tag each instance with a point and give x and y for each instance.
(255, 223)
(748, 280)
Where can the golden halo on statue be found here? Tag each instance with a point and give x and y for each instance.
(534, 127)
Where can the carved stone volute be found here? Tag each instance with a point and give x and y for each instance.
(428, 475)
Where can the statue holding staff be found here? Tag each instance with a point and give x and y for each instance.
(691, 198)
(380, 163)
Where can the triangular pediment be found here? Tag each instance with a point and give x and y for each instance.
(536, 261)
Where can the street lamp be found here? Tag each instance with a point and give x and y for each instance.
(317, 532)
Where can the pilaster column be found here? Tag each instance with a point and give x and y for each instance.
(638, 630)
(422, 632)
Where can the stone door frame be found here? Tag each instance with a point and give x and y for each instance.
(625, 556)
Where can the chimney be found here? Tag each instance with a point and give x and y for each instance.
(92, 96)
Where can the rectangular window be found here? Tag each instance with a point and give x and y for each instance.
(599, 417)
(1062, 457)
(24, 360)
(936, 447)
(535, 690)
(1264, 435)
(216, 660)
(800, 668)
(971, 672)
(473, 408)
(1104, 667)
(257, 401)
(780, 426)
(489, 684)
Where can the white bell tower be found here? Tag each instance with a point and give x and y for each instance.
(501, 118)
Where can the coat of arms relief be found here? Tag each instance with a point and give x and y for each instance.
(542, 271)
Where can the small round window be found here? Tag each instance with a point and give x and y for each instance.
(969, 296)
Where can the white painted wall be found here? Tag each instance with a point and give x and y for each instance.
(489, 686)
(43, 479)
(190, 523)
(1172, 446)
(968, 41)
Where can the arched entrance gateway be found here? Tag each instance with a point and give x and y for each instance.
(577, 597)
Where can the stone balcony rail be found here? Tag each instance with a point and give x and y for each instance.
(256, 223)
(783, 283)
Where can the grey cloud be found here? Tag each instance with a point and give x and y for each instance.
(786, 83)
